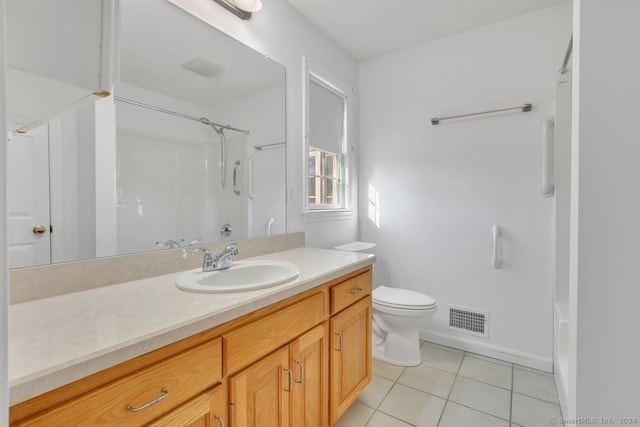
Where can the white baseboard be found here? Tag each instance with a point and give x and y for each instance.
(489, 350)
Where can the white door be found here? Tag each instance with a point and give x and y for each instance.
(28, 198)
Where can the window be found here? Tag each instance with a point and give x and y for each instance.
(325, 179)
(327, 171)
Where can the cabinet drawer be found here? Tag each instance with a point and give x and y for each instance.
(350, 291)
(254, 340)
(169, 383)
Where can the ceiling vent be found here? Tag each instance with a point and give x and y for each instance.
(203, 67)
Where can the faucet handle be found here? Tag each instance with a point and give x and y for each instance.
(203, 250)
(233, 248)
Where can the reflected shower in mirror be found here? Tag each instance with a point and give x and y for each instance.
(189, 148)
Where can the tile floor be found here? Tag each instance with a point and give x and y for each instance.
(453, 388)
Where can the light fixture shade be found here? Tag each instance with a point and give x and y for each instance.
(249, 5)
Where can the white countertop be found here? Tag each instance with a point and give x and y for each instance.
(55, 341)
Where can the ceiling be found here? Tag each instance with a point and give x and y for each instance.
(367, 28)
(157, 38)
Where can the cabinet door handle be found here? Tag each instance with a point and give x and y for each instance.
(220, 420)
(340, 337)
(164, 394)
(356, 291)
(301, 372)
(290, 372)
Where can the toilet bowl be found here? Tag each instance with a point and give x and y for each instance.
(397, 316)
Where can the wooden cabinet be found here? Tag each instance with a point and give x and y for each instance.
(142, 396)
(299, 362)
(207, 410)
(259, 395)
(310, 365)
(256, 339)
(286, 388)
(350, 355)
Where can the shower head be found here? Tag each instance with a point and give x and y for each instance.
(206, 121)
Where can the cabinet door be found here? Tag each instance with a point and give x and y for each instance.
(310, 364)
(259, 395)
(206, 410)
(350, 355)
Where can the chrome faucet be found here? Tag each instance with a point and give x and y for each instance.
(170, 244)
(221, 261)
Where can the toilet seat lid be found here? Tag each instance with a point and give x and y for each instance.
(402, 298)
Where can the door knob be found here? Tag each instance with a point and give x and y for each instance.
(39, 229)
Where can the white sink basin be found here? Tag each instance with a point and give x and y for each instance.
(242, 276)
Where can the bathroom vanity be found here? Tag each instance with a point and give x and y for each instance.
(295, 354)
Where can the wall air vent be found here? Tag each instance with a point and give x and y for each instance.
(469, 320)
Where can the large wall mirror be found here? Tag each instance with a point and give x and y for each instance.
(189, 149)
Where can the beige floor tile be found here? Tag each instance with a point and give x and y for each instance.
(535, 385)
(428, 379)
(530, 412)
(376, 391)
(486, 371)
(386, 370)
(383, 420)
(455, 415)
(442, 359)
(412, 406)
(356, 416)
(482, 397)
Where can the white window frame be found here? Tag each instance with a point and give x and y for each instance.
(326, 212)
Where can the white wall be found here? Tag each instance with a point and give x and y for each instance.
(4, 277)
(605, 229)
(283, 34)
(443, 187)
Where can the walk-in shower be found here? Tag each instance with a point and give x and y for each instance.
(219, 129)
(562, 182)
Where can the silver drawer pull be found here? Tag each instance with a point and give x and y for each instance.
(340, 337)
(220, 420)
(356, 291)
(290, 372)
(164, 394)
(299, 363)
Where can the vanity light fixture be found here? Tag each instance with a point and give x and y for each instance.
(241, 8)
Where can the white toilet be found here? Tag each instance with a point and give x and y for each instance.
(397, 316)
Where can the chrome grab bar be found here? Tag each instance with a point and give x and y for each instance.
(497, 232)
(235, 177)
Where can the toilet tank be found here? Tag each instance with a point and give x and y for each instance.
(363, 247)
